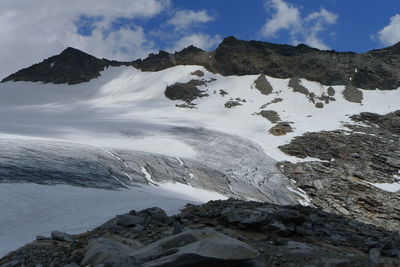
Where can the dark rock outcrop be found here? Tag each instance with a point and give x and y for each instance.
(281, 128)
(186, 91)
(368, 152)
(263, 85)
(370, 70)
(221, 233)
(72, 66)
(270, 115)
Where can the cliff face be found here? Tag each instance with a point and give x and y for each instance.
(370, 70)
(374, 69)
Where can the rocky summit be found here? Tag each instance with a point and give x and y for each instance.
(369, 70)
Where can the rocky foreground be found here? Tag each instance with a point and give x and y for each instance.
(219, 233)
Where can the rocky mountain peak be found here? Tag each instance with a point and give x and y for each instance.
(370, 70)
(71, 66)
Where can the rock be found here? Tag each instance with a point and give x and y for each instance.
(331, 91)
(59, 236)
(374, 254)
(352, 94)
(295, 83)
(376, 68)
(195, 248)
(222, 92)
(183, 91)
(100, 250)
(367, 152)
(390, 249)
(11, 264)
(270, 115)
(40, 237)
(186, 105)
(281, 128)
(129, 220)
(177, 229)
(319, 105)
(263, 85)
(232, 103)
(198, 73)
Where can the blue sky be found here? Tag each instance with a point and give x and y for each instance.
(128, 29)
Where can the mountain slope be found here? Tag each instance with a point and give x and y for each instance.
(166, 124)
(370, 70)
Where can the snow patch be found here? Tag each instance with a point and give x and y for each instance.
(389, 187)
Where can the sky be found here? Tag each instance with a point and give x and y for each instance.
(31, 31)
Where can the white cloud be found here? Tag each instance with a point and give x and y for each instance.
(184, 19)
(390, 34)
(33, 30)
(287, 17)
(199, 40)
(123, 44)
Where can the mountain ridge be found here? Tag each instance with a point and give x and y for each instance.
(370, 70)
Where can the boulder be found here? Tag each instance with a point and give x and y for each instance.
(100, 250)
(281, 128)
(59, 236)
(263, 85)
(204, 247)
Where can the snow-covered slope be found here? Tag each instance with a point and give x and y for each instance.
(125, 102)
(121, 131)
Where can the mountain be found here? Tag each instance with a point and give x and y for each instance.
(370, 70)
(84, 139)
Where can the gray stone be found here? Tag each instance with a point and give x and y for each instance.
(352, 94)
(60, 236)
(198, 73)
(11, 264)
(270, 115)
(177, 229)
(232, 103)
(100, 250)
(281, 128)
(263, 85)
(331, 91)
(195, 248)
(183, 91)
(129, 220)
(40, 238)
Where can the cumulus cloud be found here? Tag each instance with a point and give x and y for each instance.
(390, 34)
(184, 19)
(33, 30)
(200, 40)
(305, 29)
(286, 17)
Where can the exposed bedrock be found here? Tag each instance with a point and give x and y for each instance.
(367, 152)
(373, 69)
